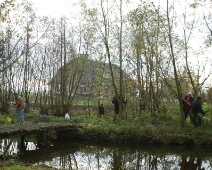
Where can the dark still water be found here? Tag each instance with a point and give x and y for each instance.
(84, 155)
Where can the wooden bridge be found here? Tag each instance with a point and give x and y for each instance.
(24, 129)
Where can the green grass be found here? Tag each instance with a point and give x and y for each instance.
(165, 130)
(24, 167)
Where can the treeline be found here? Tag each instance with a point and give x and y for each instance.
(144, 54)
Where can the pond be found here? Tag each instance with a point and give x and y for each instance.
(85, 155)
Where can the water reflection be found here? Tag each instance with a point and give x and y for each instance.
(88, 156)
(191, 163)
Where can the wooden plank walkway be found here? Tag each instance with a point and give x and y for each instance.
(13, 129)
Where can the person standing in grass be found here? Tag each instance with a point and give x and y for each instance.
(101, 110)
(116, 105)
(187, 101)
(20, 107)
(196, 109)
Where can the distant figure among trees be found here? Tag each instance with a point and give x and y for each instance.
(116, 105)
(20, 107)
(187, 101)
(101, 110)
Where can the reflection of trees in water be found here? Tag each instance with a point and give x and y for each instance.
(65, 162)
(84, 156)
(7, 148)
(121, 158)
(117, 159)
(191, 163)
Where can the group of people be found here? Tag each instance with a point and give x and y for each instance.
(115, 101)
(193, 109)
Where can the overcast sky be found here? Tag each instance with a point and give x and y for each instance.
(57, 8)
(54, 8)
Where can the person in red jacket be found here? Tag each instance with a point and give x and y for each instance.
(187, 101)
(20, 107)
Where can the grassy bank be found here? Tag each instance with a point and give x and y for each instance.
(144, 129)
(25, 167)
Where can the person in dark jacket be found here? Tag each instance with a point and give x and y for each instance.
(196, 109)
(101, 110)
(116, 105)
(187, 101)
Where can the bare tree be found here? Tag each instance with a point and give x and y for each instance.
(178, 93)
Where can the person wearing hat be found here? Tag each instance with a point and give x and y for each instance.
(196, 109)
(20, 107)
